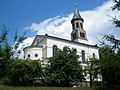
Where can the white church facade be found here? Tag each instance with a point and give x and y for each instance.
(44, 46)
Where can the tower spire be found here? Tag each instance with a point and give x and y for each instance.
(76, 12)
(75, 4)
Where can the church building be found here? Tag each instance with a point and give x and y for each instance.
(45, 46)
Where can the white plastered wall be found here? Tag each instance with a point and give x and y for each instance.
(32, 51)
(60, 44)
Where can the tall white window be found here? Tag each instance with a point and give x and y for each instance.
(93, 55)
(77, 25)
(55, 48)
(83, 55)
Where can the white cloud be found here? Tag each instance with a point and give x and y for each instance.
(56, 26)
(96, 21)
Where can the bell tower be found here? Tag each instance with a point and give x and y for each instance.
(78, 34)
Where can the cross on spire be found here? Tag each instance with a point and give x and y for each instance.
(76, 12)
(75, 4)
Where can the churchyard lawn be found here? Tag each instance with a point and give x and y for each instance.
(42, 88)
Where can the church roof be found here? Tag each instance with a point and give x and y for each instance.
(33, 46)
(74, 42)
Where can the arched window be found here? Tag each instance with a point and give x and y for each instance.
(93, 55)
(82, 35)
(81, 25)
(28, 55)
(83, 55)
(77, 25)
(54, 49)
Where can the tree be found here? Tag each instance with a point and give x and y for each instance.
(24, 72)
(117, 5)
(18, 39)
(3, 35)
(14, 71)
(64, 68)
(106, 55)
(109, 67)
(92, 69)
(7, 52)
(113, 41)
(109, 55)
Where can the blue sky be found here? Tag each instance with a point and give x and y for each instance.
(43, 16)
(17, 14)
(53, 17)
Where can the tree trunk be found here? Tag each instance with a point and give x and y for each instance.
(91, 81)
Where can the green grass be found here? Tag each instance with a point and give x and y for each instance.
(42, 88)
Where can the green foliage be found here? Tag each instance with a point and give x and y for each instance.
(18, 39)
(109, 67)
(117, 5)
(12, 70)
(92, 69)
(109, 56)
(114, 43)
(64, 68)
(24, 72)
(12, 50)
(5, 54)
(116, 22)
(3, 35)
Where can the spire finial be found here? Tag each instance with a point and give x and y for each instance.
(75, 4)
(76, 12)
